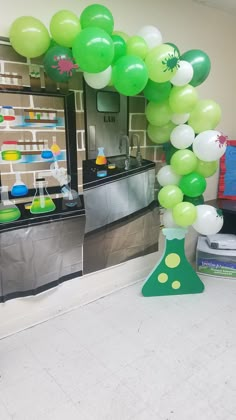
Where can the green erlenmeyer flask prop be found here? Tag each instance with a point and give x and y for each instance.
(9, 212)
(42, 202)
(173, 274)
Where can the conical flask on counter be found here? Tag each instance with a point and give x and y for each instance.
(8, 210)
(42, 202)
(101, 158)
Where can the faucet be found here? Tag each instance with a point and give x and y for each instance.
(138, 153)
(127, 157)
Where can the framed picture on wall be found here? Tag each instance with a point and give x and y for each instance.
(227, 178)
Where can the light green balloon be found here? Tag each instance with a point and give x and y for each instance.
(162, 63)
(206, 169)
(136, 45)
(184, 214)
(158, 114)
(183, 99)
(206, 115)
(29, 37)
(169, 196)
(160, 135)
(64, 27)
(183, 162)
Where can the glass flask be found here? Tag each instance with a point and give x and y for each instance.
(8, 210)
(101, 158)
(10, 150)
(8, 113)
(173, 274)
(19, 189)
(42, 202)
(55, 148)
(46, 152)
(70, 197)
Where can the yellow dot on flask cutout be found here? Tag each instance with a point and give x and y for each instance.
(162, 278)
(176, 284)
(172, 260)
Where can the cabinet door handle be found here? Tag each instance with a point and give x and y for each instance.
(92, 138)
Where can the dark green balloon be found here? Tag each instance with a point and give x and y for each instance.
(119, 47)
(59, 64)
(169, 150)
(201, 64)
(194, 200)
(157, 92)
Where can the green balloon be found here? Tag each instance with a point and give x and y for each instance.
(98, 16)
(29, 37)
(197, 201)
(136, 45)
(158, 114)
(169, 150)
(183, 162)
(169, 196)
(192, 184)
(206, 169)
(174, 46)
(200, 63)
(129, 75)
(184, 214)
(64, 27)
(59, 64)
(183, 99)
(93, 50)
(122, 35)
(162, 63)
(157, 92)
(206, 115)
(160, 135)
(119, 47)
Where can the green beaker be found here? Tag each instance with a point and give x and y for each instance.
(8, 210)
(173, 274)
(42, 202)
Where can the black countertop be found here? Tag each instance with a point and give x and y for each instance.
(228, 206)
(29, 219)
(90, 169)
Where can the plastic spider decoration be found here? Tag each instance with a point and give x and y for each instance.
(221, 140)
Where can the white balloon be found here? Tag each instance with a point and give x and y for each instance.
(151, 35)
(168, 220)
(182, 136)
(209, 145)
(98, 80)
(179, 118)
(209, 220)
(183, 75)
(166, 176)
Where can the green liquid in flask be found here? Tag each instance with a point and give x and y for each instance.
(9, 214)
(173, 275)
(42, 205)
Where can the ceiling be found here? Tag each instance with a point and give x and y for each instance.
(225, 5)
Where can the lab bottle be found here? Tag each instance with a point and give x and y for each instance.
(19, 189)
(46, 152)
(42, 202)
(10, 150)
(173, 275)
(55, 148)
(101, 158)
(8, 210)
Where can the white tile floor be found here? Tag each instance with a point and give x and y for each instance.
(126, 357)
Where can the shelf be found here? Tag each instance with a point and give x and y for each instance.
(33, 121)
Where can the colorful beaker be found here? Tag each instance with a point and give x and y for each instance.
(55, 148)
(9, 212)
(42, 202)
(8, 113)
(46, 152)
(10, 150)
(70, 197)
(19, 189)
(101, 158)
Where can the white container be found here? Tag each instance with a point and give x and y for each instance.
(215, 262)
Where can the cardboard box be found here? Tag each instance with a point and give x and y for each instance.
(214, 262)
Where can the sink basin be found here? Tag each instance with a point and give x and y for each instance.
(119, 161)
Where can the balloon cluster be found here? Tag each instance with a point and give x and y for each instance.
(144, 64)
